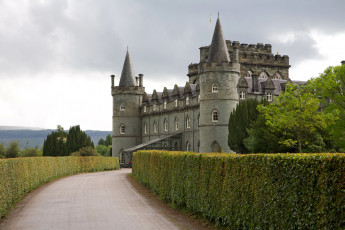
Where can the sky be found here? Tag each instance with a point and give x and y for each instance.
(56, 56)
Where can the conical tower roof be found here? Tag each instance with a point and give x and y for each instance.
(218, 50)
(127, 75)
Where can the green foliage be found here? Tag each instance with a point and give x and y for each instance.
(239, 122)
(31, 152)
(86, 151)
(101, 142)
(2, 150)
(12, 150)
(295, 115)
(76, 140)
(261, 191)
(330, 87)
(105, 142)
(22, 175)
(103, 150)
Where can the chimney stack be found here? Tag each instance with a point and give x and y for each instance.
(136, 81)
(141, 79)
(112, 80)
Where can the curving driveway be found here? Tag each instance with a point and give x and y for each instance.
(105, 200)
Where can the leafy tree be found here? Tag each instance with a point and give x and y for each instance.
(2, 150)
(295, 114)
(12, 150)
(86, 151)
(239, 122)
(330, 87)
(101, 142)
(54, 144)
(77, 139)
(103, 150)
(32, 152)
(108, 140)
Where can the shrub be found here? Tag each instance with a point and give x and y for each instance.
(261, 191)
(12, 150)
(86, 151)
(22, 175)
(31, 152)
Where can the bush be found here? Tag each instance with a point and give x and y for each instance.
(261, 191)
(2, 150)
(85, 151)
(31, 152)
(12, 150)
(22, 175)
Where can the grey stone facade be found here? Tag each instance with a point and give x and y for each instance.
(228, 73)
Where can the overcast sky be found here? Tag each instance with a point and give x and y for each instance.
(56, 56)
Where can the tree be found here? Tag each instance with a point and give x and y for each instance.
(12, 150)
(108, 140)
(54, 144)
(101, 142)
(295, 114)
(77, 139)
(103, 150)
(239, 122)
(330, 87)
(32, 152)
(2, 150)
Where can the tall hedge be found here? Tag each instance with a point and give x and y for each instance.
(22, 175)
(261, 191)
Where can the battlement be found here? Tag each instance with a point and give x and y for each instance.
(127, 90)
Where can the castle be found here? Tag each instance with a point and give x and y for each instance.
(195, 117)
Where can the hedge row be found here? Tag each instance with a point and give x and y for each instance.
(22, 175)
(261, 191)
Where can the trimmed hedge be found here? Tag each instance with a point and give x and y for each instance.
(261, 191)
(21, 175)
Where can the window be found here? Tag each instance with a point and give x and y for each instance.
(122, 107)
(165, 126)
(187, 100)
(215, 116)
(175, 102)
(176, 123)
(154, 107)
(242, 95)
(165, 105)
(187, 146)
(144, 108)
(214, 88)
(188, 122)
(198, 98)
(122, 129)
(199, 120)
(269, 96)
(155, 127)
(145, 128)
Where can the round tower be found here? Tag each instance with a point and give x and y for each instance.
(127, 99)
(218, 94)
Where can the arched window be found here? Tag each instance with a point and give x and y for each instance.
(176, 124)
(165, 105)
(242, 95)
(122, 107)
(187, 100)
(144, 108)
(187, 146)
(188, 122)
(155, 127)
(214, 88)
(175, 102)
(215, 116)
(269, 96)
(154, 107)
(165, 125)
(122, 129)
(145, 128)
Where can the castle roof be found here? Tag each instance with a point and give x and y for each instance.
(218, 51)
(127, 75)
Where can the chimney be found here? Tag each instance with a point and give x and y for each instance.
(141, 79)
(136, 81)
(112, 80)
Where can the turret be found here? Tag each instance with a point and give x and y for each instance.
(127, 99)
(218, 94)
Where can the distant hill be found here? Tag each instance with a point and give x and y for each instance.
(19, 128)
(33, 138)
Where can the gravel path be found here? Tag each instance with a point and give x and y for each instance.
(105, 200)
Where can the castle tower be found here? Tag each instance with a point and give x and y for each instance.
(218, 94)
(127, 99)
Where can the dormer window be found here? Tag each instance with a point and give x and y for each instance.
(187, 100)
(165, 105)
(144, 108)
(242, 95)
(215, 116)
(175, 102)
(214, 88)
(269, 96)
(122, 107)
(122, 129)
